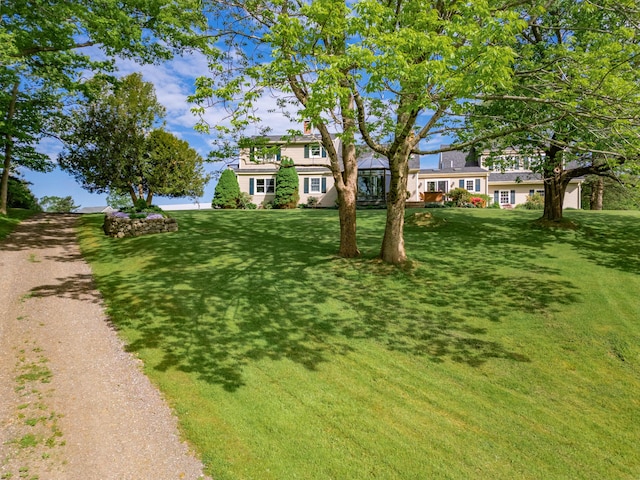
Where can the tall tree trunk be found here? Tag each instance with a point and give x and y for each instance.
(347, 197)
(149, 197)
(392, 250)
(132, 194)
(8, 150)
(597, 194)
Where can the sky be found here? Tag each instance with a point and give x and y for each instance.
(174, 81)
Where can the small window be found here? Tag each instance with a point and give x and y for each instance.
(265, 185)
(431, 186)
(471, 185)
(314, 185)
(504, 197)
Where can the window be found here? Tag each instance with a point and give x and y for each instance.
(267, 154)
(314, 185)
(431, 186)
(314, 150)
(265, 185)
(470, 185)
(504, 197)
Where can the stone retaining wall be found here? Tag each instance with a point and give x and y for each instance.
(133, 227)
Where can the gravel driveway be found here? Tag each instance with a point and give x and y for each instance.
(73, 403)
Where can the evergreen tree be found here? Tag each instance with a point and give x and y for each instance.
(227, 191)
(287, 189)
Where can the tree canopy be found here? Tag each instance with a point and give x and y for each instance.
(42, 59)
(574, 103)
(113, 145)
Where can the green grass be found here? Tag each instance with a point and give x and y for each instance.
(12, 219)
(503, 350)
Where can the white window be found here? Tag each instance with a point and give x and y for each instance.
(505, 197)
(315, 151)
(431, 186)
(265, 185)
(314, 185)
(471, 185)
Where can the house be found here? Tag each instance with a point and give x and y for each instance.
(509, 182)
(260, 159)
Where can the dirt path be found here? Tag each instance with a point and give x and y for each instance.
(73, 404)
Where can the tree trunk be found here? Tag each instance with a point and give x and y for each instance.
(392, 250)
(555, 186)
(4, 183)
(132, 194)
(149, 197)
(347, 196)
(597, 194)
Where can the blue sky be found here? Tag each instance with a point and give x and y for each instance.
(174, 82)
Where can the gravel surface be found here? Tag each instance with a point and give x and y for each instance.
(73, 403)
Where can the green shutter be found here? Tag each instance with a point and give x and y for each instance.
(306, 151)
(306, 185)
(496, 196)
(251, 186)
(324, 185)
(324, 152)
(252, 154)
(477, 184)
(461, 183)
(513, 197)
(278, 154)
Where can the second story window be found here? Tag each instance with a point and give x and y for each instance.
(267, 154)
(314, 150)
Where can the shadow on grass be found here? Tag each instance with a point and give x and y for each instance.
(234, 287)
(611, 239)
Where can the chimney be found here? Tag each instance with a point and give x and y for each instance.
(307, 127)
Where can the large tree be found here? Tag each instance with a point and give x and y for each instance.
(390, 70)
(41, 45)
(574, 104)
(112, 145)
(295, 50)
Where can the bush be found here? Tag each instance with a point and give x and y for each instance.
(227, 191)
(287, 186)
(312, 202)
(534, 202)
(140, 205)
(244, 200)
(20, 196)
(460, 196)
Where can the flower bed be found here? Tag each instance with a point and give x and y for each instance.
(120, 225)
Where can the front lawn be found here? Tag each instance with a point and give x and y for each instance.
(501, 351)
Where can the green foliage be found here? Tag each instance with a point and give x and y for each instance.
(118, 200)
(287, 186)
(20, 196)
(534, 202)
(58, 204)
(244, 201)
(227, 192)
(460, 196)
(42, 65)
(140, 205)
(622, 194)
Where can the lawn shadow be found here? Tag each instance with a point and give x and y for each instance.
(231, 288)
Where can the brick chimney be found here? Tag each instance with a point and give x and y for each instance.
(307, 127)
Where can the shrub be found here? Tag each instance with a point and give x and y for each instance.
(227, 191)
(244, 200)
(312, 202)
(140, 205)
(478, 202)
(287, 186)
(534, 202)
(460, 196)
